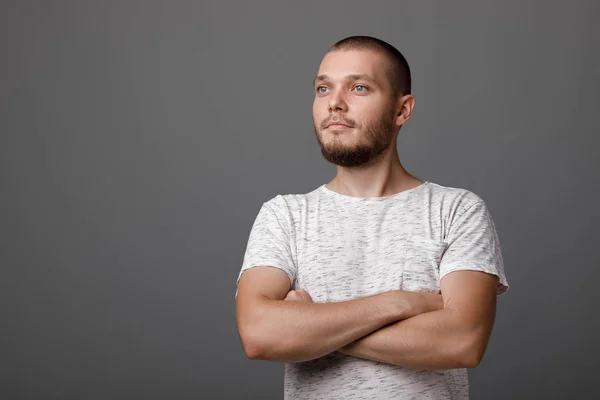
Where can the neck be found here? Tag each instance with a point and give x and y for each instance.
(383, 176)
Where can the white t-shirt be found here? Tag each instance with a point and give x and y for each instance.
(340, 247)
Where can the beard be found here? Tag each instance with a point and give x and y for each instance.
(377, 137)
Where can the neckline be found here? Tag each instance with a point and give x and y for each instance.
(381, 198)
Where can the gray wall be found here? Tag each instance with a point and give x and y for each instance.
(139, 139)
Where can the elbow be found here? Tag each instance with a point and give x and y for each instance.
(259, 351)
(269, 348)
(252, 343)
(251, 350)
(470, 352)
(259, 345)
(469, 360)
(253, 353)
(252, 334)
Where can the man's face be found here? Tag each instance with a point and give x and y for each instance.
(353, 110)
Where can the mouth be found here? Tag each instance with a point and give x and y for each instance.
(337, 126)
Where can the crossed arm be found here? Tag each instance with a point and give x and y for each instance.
(409, 329)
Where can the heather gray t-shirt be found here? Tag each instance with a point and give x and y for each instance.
(339, 248)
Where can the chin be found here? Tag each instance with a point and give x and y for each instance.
(345, 135)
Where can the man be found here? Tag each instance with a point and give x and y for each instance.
(376, 285)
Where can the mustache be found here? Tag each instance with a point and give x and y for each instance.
(336, 119)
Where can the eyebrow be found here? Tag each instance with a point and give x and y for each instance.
(351, 77)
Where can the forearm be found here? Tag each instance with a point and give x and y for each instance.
(296, 331)
(433, 340)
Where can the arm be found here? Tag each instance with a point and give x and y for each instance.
(453, 337)
(271, 328)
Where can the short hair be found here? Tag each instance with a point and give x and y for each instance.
(399, 71)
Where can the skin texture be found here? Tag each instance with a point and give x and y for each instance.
(352, 88)
(414, 330)
(353, 117)
(277, 324)
(454, 336)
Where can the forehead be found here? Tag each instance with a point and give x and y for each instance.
(339, 63)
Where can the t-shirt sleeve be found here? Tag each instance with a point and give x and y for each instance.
(473, 244)
(270, 241)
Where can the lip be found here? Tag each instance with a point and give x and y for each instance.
(337, 126)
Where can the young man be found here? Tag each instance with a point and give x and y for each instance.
(376, 285)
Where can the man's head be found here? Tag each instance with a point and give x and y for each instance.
(362, 98)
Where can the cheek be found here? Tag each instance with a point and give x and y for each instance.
(319, 111)
(370, 107)
(376, 115)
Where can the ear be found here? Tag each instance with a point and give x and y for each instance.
(404, 108)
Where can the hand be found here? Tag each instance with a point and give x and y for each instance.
(298, 295)
(415, 303)
(410, 304)
(430, 302)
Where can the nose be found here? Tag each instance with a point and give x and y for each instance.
(337, 102)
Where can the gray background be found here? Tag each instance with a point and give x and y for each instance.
(139, 139)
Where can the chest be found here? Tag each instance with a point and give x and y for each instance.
(345, 258)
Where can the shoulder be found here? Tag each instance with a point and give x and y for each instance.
(452, 200)
(290, 204)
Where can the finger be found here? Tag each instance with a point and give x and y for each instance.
(305, 295)
(292, 296)
(289, 296)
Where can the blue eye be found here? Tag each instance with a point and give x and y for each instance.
(360, 86)
(321, 89)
